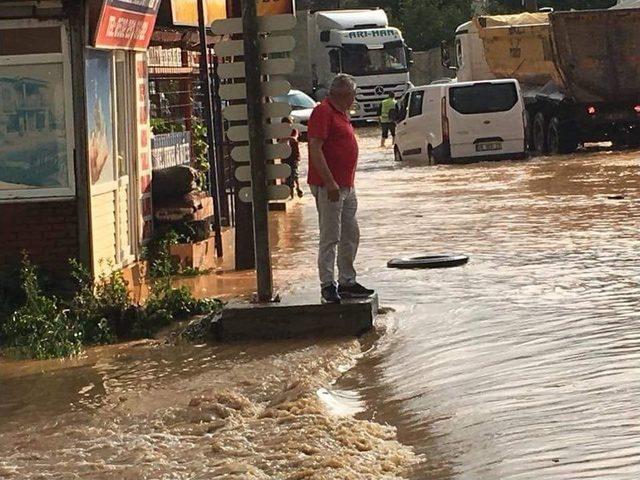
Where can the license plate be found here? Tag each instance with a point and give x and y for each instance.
(616, 116)
(488, 147)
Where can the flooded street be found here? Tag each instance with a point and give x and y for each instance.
(523, 364)
(526, 362)
(147, 410)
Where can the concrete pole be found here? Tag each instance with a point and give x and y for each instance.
(253, 78)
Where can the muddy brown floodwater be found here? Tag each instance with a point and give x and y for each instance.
(523, 364)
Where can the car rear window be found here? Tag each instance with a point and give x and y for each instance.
(483, 98)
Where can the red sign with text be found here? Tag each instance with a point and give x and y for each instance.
(126, 24)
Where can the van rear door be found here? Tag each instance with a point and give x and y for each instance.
(485, 119)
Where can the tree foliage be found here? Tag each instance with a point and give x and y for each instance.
(514, 6)
(425, 23)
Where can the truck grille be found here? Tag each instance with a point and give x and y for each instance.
(370, 97)
(378, 92)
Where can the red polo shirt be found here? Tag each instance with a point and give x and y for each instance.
(340, 147)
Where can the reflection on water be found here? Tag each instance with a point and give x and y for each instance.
(525, 363)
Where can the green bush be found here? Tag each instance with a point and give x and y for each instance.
(40, 328)
(200, 149)
(159, 258)
(99, 306)
(100, 312)
(162, 264)
(160, 126)
(167, 304)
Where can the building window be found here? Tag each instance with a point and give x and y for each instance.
(36, 112)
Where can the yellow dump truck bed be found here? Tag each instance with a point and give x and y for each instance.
(598, 53)
(518, 46)
(592, 55)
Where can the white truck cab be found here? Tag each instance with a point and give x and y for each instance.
(359, 43)
(469, 54)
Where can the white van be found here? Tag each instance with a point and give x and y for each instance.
(461, 122)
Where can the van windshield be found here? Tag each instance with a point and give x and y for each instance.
(483, 98)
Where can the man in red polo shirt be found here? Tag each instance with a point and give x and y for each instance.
(333, 156)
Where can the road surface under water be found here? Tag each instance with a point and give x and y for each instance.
(525, 363)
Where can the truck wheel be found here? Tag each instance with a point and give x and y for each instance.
(560, 139)
(528, 132)
(540, 146)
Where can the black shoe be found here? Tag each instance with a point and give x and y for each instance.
(355, 291)
(330, 294)
(300, 194)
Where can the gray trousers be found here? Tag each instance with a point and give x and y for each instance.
(339, 234)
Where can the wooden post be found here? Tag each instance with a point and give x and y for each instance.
(530, 5)
(260, 203)
(213, 171)
(78, 39)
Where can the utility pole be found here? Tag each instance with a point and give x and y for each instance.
(253, 79)
(530, 5)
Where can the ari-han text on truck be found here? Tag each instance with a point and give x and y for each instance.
(359, 43)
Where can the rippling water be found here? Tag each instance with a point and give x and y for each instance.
(525, 363)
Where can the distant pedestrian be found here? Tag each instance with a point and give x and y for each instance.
(333, 156)
(388, 118)
(293, 160)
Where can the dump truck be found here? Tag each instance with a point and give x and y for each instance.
(360, 43)
(579, 72)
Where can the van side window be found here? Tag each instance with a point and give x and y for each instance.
(415, 104)
(402, 107)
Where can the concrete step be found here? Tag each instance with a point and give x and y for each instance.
(296, 317)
